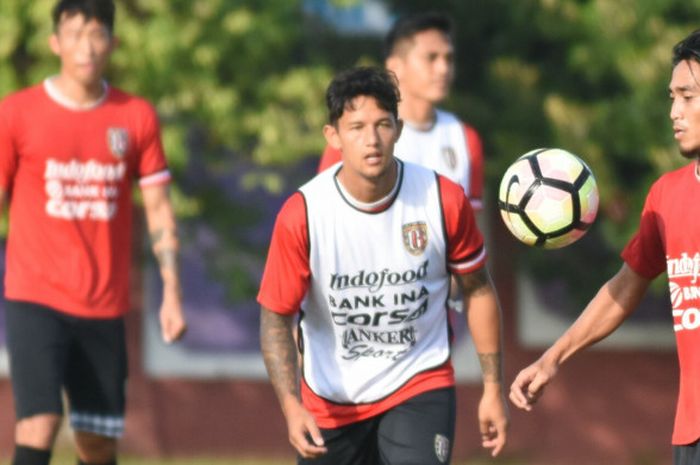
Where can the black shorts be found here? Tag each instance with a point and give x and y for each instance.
(50, 351)
(419, 431)
(686, 455)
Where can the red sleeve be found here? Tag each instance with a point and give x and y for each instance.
(465, 244)
(8, 153)
(645, 253)
(153, 168)
(330, 157)
(286, 276)
(476, 166)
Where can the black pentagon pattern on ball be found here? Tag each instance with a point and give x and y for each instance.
(540, 180)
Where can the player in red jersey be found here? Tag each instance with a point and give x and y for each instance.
(419, 51)
(668, 239)
(363, 254)
(70, 151)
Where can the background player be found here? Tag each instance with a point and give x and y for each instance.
(668, 239)
(361, 254)
(70, 149)
(419, 50)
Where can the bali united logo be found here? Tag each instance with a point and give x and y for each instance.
(450, 157)
(415, 237)
(442, 448)
(118, 141)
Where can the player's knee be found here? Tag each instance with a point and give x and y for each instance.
(94, 449)
(38, 431)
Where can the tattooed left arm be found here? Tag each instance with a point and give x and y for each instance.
(162, 230)
(484, 320)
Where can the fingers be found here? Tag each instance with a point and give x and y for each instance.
(527, 388)
(304, 435)
(493, 436)
(172, 325)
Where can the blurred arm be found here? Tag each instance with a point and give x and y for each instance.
(163, 233)
(613, 303)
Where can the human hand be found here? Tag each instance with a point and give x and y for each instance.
(172, 318)
(529, 385)
(493, 418)
(303, 432)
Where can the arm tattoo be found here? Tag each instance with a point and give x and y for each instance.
(279, 352)
(166, 256)
(491, 367)
(474, 283)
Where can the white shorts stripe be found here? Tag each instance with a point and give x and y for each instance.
(104, 425)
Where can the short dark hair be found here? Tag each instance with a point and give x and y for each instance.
(362, 81)
(101, 10)
(688, 48)
(406, 27)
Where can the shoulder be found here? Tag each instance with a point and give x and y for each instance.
(449, 187)
(676, 178)
(19, 98)
(131, 102)
(293, 212)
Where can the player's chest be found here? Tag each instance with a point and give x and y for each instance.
(65, 137)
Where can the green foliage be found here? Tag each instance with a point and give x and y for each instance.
(590, 76)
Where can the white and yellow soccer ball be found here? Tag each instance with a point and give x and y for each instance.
(548, 198)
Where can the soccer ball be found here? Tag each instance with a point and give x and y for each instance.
(548, 198)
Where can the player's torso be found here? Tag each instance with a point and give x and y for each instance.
(679, 230)
(374, 315)
(74, 165)
(443, 148)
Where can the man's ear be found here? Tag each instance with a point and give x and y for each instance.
(330, 132)
(394, 64)
(54, 45)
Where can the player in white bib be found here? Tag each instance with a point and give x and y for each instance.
(419, 49)
(363, 254)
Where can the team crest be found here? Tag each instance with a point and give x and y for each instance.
(450, 157)
(415, 237)
(442, 448)
(118, 141)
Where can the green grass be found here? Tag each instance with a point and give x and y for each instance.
(67, 458)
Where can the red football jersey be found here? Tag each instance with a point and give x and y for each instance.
(68, 174)
(668, 240)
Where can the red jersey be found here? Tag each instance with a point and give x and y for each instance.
(668, 240)
(371, 282)
(450, 147)
(68, 175)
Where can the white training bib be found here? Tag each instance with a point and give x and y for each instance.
(374, 315)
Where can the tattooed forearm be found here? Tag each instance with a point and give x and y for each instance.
(279, 352)
(167, 258)
(491, 367)
(166, 254)
(474, 283)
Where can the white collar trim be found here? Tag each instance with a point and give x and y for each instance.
(64, 101)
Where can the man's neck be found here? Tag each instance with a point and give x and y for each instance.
(79, 94)
(369, 191)
(419, 114)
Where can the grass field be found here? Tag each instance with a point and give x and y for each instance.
(67, 458)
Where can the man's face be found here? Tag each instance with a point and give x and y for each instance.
(84, 48)
(365, 134)
(685, 107)
(424, 66)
